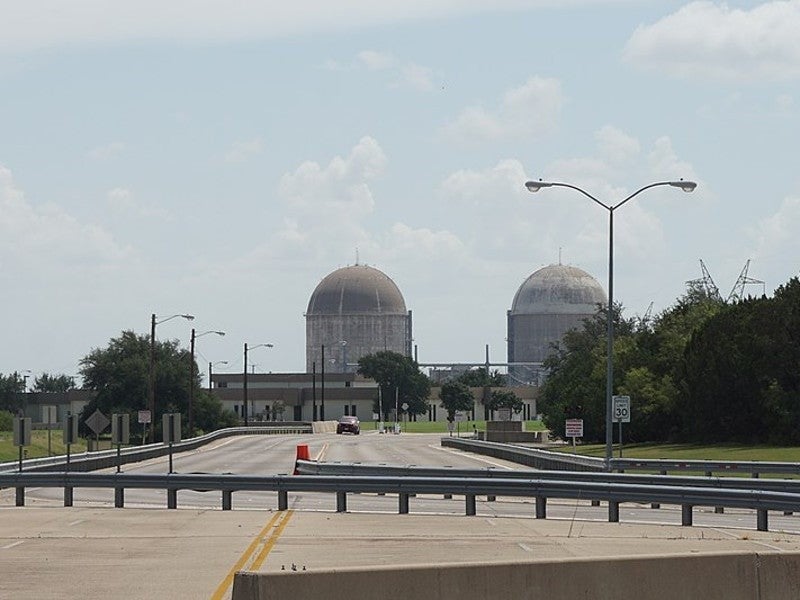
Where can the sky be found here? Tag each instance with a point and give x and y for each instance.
(220, 158)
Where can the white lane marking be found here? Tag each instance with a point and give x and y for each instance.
(479, 459)
(491, 522)
(524, 547)
(78, 522)
(13, 544)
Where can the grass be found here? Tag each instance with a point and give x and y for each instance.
(721, 452)
(441, 426)
(38, 448)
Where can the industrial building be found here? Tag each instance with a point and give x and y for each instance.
(550, 302)
(355, 311)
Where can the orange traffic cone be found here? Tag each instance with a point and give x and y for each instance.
(302, 454)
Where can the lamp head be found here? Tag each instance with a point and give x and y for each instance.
(188, 317)
(686, 186)
(535, 186)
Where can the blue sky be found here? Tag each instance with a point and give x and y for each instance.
(221, 158)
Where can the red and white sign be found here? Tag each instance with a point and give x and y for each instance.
(574, 428)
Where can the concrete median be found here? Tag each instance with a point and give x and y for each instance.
(724, 576)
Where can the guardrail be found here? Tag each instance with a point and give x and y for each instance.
(545, 459)
(310, 467)
(103, 459)
(405, 487)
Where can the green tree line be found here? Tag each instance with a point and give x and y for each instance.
(702, 370)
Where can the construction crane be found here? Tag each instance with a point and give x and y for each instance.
(737, 293)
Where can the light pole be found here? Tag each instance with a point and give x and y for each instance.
(191, 376)
(244, 381)
(151, 386)
(343, 344)
(535, 186)
(210, 367)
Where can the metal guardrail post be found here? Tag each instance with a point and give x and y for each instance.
(613, 511)
(541, 507)
(403, 503)
(471, 508)
(686, 515)
(341, 501)
(761, 520)
(68, 496)
(227, 499)
(172, 498)
(20, 496)
(595, 502)
(119, 497)
(283, 500)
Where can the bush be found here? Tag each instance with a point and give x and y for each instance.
(6, 420)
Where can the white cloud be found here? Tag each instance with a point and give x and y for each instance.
(711, 40)
(532, 109)
(31, 24)
(777, 234)
(46, 239)
(376, 61)
(106, 151)
(122, 200)
(402, 74)
(241, 151)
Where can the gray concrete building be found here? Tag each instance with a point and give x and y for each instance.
(355, 311)
(550, 302)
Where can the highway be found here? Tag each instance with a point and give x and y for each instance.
(93, 550)
(275, 454)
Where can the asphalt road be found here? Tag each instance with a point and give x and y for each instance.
(145, 551)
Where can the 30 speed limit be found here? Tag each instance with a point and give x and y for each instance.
(622, 409)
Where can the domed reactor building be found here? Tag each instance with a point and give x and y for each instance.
(549, 303)
(355, 311)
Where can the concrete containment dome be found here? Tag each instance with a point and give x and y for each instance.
(356, 289)
(558, 289)
(355, 311)
(549, 303)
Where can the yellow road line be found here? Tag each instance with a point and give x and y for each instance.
(273, 539)
(223, 587)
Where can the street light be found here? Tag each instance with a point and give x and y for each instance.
(343, 344)
(244, 405)
(210, 367)
(151, 387)
(191, 376)
(535, 186)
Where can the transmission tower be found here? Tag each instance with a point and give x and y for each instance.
(706, 283)
(737, 293)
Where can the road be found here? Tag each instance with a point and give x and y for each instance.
(144, 551)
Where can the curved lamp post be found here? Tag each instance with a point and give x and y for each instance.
(244, 381)
(191, 376)
(535, 186)
(151, 387)
(210, 368)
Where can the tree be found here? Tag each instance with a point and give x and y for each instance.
(505, 399)
(11, 389)
(399, 374)
(120, 376)
(479, 378)
(455, 397)
(53, 383)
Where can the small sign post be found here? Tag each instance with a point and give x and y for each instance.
(22, 437)
(144, 419)
(574, 429)
(120, 434)
(622, 414)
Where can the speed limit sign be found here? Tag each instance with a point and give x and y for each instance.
(622, 409)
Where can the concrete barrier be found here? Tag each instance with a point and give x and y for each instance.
(730, 576)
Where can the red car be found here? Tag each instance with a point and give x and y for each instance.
(349, 424)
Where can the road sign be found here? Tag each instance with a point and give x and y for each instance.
(97, 422)
(144, 416)
(622, 409)
(574, 428)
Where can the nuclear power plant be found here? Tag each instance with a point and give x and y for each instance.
(355, 311)
(549, 303)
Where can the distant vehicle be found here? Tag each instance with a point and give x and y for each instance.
(349, 424)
